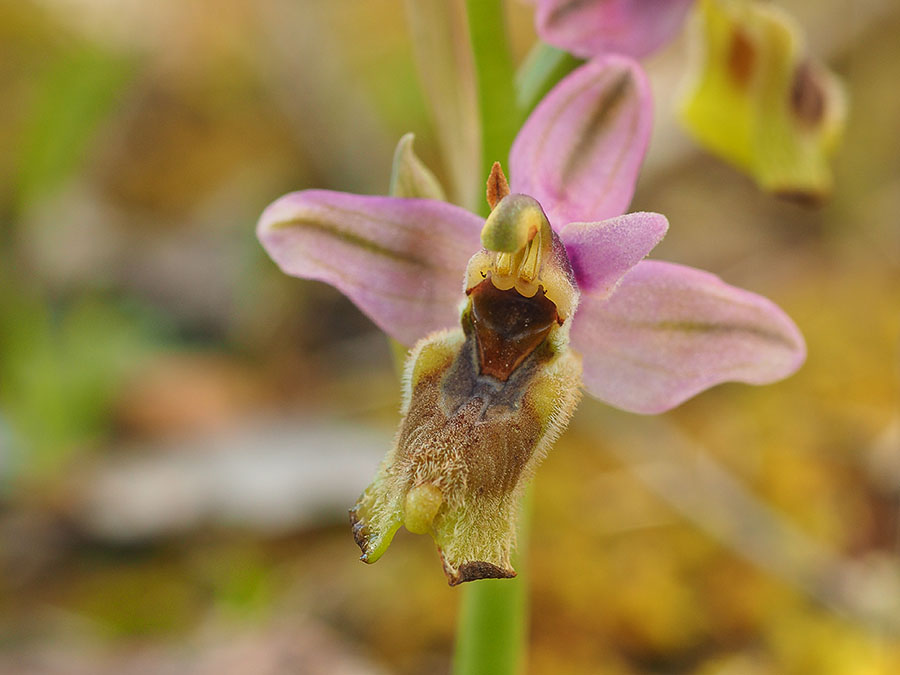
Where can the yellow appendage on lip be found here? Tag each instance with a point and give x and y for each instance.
(519, 254)
(421, 506)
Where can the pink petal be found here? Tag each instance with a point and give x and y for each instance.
(401, 261)
(602, 252)
(587, 28)
(668, 332)
(580, 151)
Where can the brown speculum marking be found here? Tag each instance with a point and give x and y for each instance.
(741, 58)
(807, 95)
(508, 327)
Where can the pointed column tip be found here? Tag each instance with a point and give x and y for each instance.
(497, 185)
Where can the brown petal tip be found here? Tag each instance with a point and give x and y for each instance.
(360, 532)
(497, 185)
(807, 95)
(472, 571)
(804, 198)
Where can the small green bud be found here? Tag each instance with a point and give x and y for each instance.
(409, 175)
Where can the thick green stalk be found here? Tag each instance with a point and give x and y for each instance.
(495, 76)
(493, 619)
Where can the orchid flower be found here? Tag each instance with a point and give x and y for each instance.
(754, 95)
(555, 296)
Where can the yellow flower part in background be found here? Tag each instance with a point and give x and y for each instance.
(757, 99)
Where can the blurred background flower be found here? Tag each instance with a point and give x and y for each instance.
(182, 428)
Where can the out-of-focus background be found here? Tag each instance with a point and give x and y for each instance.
(183, 428)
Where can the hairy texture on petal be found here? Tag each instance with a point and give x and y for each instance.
(378, 514)
(472, 443)
(668, 332)
(587, 28)
(602, 252)
(398, 260)
(580, 151)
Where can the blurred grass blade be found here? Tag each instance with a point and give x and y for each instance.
(59, 373)
(443, 53)
(73, 97)
(542, 69)
(495, 81)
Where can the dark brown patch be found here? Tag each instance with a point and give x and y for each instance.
(497, 185)
(804, 198)
(600, 117)
(807, 95)
(360, 533)
(472, 571)
(741, 58)
(353, 240)
(463, 418)
(508, 327)
(725, 328)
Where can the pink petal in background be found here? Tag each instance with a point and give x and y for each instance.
(588, 28)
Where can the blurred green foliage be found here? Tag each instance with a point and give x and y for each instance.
(60, 360)
(59, 374)
(79, 90)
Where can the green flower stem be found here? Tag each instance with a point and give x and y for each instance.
(541, 70)
(493, 619)
(495, 76)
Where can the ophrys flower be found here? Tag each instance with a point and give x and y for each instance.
(489, 386)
